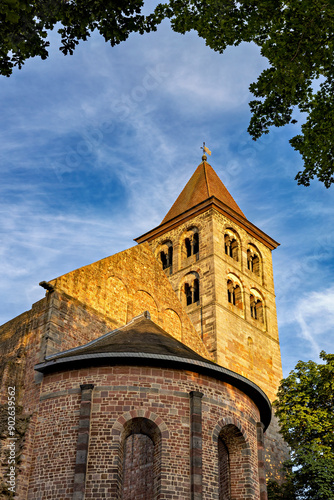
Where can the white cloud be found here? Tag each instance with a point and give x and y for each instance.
(313, 318)
(41, 246)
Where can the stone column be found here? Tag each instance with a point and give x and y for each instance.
(261, 461)
(82, 442)
(196, 472)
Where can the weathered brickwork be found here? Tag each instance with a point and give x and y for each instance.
(202, 315)
(56, 439)
(160, 398)
(18, 343)
(138, 474)
(60, 321)
(71, 323)
(19, 347)
(276, 451)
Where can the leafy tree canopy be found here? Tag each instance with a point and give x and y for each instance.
(285, 491)
(305, 408)
(296, 36)
(24, 25)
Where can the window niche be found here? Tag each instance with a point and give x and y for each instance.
(256, 308)
(190, 289)
(190, 245)
(140, 459)
(231, 246)
(234, 294)
(138, 476)
(232, 462)
(166, 255)
(253, 261)
(224, 470)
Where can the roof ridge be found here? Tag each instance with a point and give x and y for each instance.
(206, 178)
(136, 319)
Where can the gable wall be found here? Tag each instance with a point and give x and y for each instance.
(124, 285)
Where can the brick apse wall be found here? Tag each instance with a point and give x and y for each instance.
(186, 421)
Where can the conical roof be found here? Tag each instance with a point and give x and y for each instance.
(203, 185)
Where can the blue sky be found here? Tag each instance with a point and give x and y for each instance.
(95, 148)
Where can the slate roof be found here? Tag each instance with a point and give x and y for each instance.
(140, 335)
(142, 342)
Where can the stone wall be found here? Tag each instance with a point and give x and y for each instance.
(231, 335)
(106, 295)
(19, 351)
(87, 303)
(124, 285)
(57, 322)
(235, 339)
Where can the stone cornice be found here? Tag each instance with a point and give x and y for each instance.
(144, 359)
(216, 204)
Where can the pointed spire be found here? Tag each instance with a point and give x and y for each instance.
(203, 185)
(203, 191)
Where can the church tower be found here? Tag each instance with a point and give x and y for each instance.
(220, 267)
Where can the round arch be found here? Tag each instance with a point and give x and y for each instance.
(189, 242)
(232, 244)
(189, 288)
(138, 435)
(254, 260)
(233, 452)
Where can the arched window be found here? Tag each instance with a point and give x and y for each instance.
(232, 462)
(230, 292)
(191, 289)
(141, 452)
(191, 243)
(234, 295)
(195, 243)
(224, 471)
(187, 243)
(256, 308)
(196, 290)
(231, 246)
(166, 255)
(253, 262)
(138, 478)
(188, 293)
(163, 258)
(170, 256)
